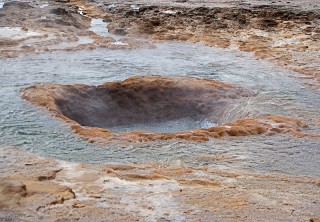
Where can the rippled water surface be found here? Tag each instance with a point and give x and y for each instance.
(277, 92)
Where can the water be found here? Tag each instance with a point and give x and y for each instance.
(276, 92)
(170, 126)
(99, 27)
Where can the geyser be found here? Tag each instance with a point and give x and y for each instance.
(94, 111)
(144, 100)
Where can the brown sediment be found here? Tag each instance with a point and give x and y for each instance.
(89, 191)
(141, 176)
(11, 192)
(26, 183)
(174, 171)
(199, 182)
(218, 158)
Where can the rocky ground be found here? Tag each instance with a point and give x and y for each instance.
(286, 33)
(29, 28)
(37, 188)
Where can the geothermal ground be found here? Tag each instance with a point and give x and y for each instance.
(180, 110)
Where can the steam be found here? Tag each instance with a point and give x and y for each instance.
(151, 103)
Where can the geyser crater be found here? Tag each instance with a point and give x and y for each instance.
(165, 104)
(156, 104)
(177, 107)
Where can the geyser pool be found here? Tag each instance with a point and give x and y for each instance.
(156, 103)
(276, 93)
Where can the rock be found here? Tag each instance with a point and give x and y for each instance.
(16, 4)
(47, 175)
(151, 176)
(59, 11)
(200, 182)
(7, 42)
(11, 191)
(120, 31)
(107, 20)
(88, 177)
(41, 194)
(62, 1)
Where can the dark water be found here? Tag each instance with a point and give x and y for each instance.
(276, 93)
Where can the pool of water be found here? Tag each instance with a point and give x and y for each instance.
(170, 126)
(276, 90)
